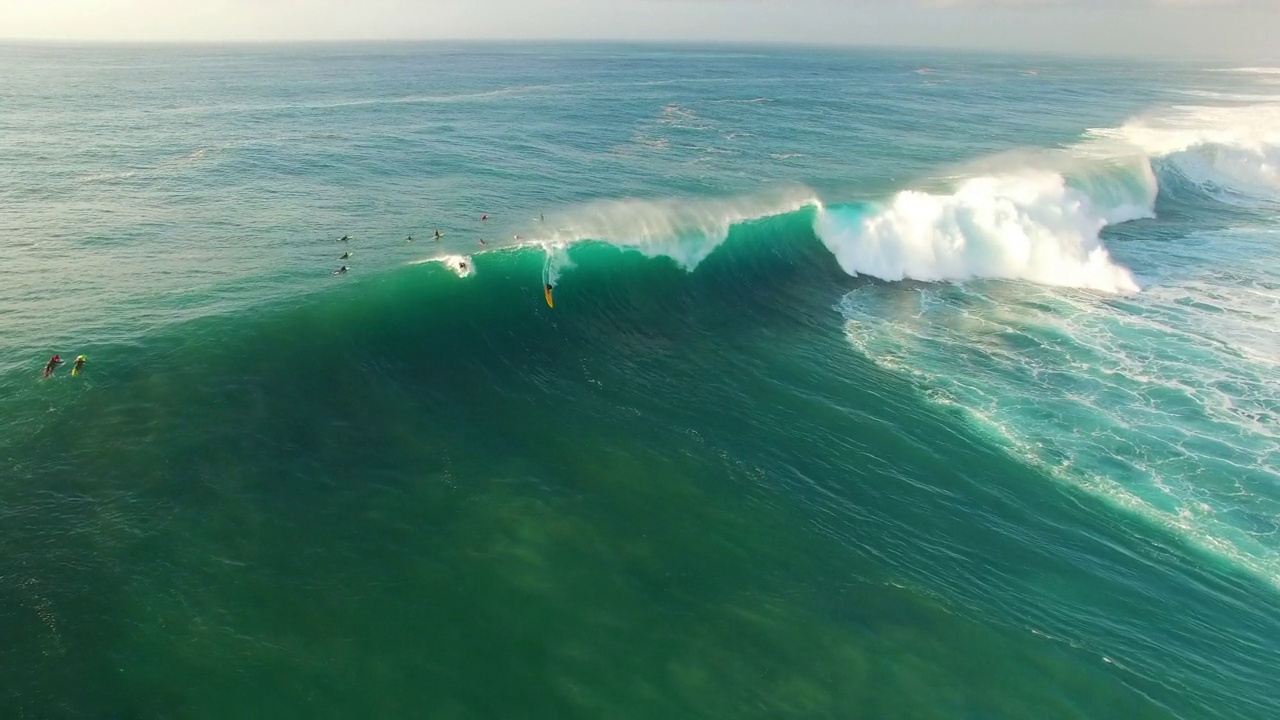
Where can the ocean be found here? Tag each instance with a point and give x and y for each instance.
(878, 384)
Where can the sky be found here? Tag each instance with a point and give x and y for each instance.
(1168, 28)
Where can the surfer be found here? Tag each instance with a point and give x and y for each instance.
(482, 242)
(54, 362)
(344, 238)
(341, 270)
(345, 255)
(462, 266)
(409, 239)
(78, 366)
(484, 217)
(547, 291)
(439, 235)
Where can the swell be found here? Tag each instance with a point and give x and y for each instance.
(380, 377)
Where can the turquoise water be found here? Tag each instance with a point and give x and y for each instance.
(877, 384)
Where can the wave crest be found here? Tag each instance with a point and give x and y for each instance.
(1031, 225)
(684, 231)
(1231, 150)
(1034, 216)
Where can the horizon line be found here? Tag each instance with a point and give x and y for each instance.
(680, 42)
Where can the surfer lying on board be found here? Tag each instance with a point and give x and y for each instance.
(54, 362)
(78, 366)
(344, 238)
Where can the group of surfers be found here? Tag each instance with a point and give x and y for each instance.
(462, 265)
(348, 254)
(80, 360)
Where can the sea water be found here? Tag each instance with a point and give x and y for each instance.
(878, 384)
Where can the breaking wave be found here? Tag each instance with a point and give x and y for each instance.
(1033, 225)
(1037, 217)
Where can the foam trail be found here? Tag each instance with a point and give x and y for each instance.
(1031, 225)
(687, 231)
(460, 265)
(557, 262)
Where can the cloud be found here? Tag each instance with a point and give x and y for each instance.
(1200, 27)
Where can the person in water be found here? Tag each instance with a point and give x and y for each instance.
(409, 239)
(482, 242)
(484, 217)
(438, 235)
(345, 255)
(344, 238)
(341, 270)
(54, 362)
(78, 366)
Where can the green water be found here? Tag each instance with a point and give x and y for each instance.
(734, 473)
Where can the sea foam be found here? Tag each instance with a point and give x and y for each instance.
(1218, 148)
(1030, 225)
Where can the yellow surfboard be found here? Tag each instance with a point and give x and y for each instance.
(548, 292)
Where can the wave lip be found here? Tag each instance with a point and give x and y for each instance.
(686, 231)
(1232, 149)
(1033, 225)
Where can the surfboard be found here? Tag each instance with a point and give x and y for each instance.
(546, 281)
